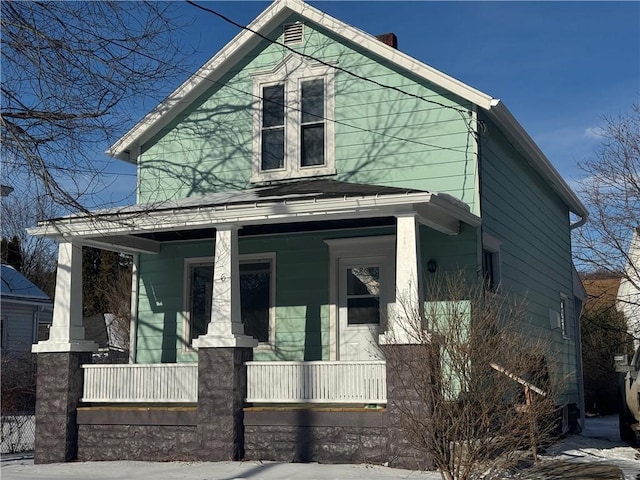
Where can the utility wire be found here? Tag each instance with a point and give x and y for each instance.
(339, 122)
(322, 62)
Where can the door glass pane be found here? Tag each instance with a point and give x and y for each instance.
(201, 293)
(255, 299)
(363, 311)
(363, 295)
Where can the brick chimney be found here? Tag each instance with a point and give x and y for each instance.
(389, 38)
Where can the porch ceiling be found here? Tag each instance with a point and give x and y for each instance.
(128, 228)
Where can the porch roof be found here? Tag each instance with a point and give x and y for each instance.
(127, 228)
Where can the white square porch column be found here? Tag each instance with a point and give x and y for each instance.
(407, 322)
(225, 328)
(67, 333)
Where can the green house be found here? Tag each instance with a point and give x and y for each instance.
(304, 184)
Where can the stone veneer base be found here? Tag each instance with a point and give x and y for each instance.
(316, 435)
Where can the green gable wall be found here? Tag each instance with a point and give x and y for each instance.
(521, 210)
(381, 136)
(302, 290)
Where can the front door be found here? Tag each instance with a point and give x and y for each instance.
(362, 307)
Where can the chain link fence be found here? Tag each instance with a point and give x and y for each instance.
(17, 418)
(18, 433)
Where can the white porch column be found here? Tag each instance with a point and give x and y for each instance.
(225, 327)
(407, 323)
(67, 333)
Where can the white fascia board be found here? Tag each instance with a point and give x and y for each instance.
(242, 43)
(514, 131)
(254, 214)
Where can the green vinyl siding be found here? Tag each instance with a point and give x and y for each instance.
(302, 290)
(521, 210)
(382, 136)
(302, 296)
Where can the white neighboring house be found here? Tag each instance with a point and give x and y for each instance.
(629, 290)
(24, 310)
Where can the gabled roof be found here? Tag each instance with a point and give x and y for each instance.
(14, 285)
(127, 147)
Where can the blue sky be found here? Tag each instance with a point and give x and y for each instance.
(558, 66)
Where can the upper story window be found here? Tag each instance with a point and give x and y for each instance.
(293, 133)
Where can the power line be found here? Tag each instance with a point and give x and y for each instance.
(339, 122)
(322, 62)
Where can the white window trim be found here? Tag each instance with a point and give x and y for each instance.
(187, 345)
(291, 72)
(355, 248)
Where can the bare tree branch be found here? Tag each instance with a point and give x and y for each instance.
(72, 71)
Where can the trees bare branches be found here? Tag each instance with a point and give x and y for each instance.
(72, 71)
(611, 192)
(482, 390)
(37, 255)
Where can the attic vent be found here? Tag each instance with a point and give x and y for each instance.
(293, 33)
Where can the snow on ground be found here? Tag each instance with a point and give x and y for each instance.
(599, 443)
(208, 471)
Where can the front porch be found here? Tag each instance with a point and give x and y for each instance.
(348, 285)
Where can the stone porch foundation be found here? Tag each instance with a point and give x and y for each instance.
(219, 427)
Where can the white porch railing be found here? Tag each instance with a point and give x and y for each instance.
(318, 382)
(158, 382)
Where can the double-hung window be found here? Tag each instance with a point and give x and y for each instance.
(293, 128)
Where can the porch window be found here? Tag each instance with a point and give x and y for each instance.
(363, 295)
(201, 291)
(256, 296)
(255, 299)
(293, 130)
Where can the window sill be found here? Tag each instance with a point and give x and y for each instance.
(280, 175)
